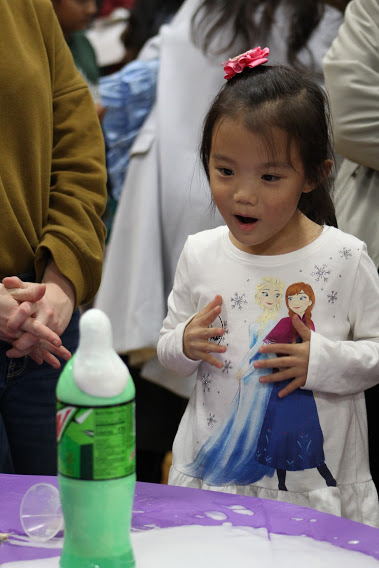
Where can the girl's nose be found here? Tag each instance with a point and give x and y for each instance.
(246, 194)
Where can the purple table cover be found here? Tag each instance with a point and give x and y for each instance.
(165, 506)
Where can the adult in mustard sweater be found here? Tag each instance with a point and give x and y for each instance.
(53, 193)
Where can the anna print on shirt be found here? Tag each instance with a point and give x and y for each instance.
(291, 438)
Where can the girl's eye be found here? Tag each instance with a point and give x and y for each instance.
(270, 177)
(225, 171)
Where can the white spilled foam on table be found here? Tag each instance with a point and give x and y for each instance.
(224, 546)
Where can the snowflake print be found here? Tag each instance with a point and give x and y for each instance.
(345, 253)
(220, 338)
(321, 273)
(332, 297)
(227, 366)
(238, 301)
(226, 332)
(211, 420)
(207, 380)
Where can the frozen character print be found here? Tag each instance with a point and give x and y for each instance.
(228, 456)
(291, 438)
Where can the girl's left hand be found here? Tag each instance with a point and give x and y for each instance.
(294, 362)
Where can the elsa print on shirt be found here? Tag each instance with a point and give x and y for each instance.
(228, 456)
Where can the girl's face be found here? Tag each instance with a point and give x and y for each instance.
(298, 303)
(257, 192)
(269, 297)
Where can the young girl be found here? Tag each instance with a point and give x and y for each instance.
(267, 155)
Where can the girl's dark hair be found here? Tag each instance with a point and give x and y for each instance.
(240, 17)
(265, 98)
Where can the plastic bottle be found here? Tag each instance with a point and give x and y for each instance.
(96, 451)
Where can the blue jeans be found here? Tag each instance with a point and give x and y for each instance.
(28, 410)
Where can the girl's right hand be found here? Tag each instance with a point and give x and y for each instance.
(196, 344)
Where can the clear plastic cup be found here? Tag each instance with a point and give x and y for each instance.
(40, 512)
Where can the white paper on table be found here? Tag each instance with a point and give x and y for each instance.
(225, 546)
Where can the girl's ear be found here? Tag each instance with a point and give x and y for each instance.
(325, 169)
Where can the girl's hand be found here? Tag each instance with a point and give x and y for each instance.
(196, 344)
(293, 364)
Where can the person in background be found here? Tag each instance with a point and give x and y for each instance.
(129, 94)
(53, 193)
(296, 429)
(351, 68)
(74, 17)
(164, 196)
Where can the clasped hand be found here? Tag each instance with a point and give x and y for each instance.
(23, 306)
(293, 363)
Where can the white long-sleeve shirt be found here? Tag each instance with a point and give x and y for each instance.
(344, 361)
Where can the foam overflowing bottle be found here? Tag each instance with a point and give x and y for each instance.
(96, 450)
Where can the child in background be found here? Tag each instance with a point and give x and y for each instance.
(74, 17)
(267, 155)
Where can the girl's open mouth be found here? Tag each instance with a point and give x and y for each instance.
(246, 220)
